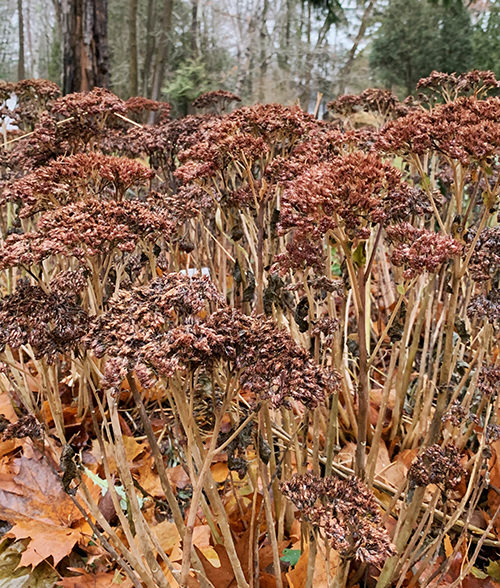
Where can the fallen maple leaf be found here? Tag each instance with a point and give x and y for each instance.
(33, 500)
(99, 580)
(46, 540)
(30, 490)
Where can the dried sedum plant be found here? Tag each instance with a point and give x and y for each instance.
(312, 305)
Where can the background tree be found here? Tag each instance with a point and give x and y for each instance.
(486, 39)
(280, 51)
(84, 25)
(20, 61)
(133, 70)
(417, 37)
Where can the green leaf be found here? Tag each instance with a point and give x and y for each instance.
(494, 570)
(477, 573)
(426, 182)
(291, 556)
(336, 267)
(359, 254)
(401, 289)
(120, 490)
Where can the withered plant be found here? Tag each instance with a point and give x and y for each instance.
(299, 318)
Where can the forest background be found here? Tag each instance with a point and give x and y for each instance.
(283, 51)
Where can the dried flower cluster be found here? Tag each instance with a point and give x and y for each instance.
(74, 123)
(466, 130)
(245, 136)
(485, 260)
(451, 85)
(52, 321)
(85, 229)
(163, 142)
(76, 177)
(160, 329)
(486, 306)
(26, 426)
(437, 465)
(94, 106)
(351, 193)
(32, 97)
(346, 512)
(489, 381)
(141, 105)
(457, 415)
(419, 249)
(217, 100)
(383, 102)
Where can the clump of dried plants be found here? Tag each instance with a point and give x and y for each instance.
(251, 347)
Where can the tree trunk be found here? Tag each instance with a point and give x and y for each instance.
(150, 49)
(194, 29)
(30, 64)
(133, 71)
(20, 64)
(163, 45)
(305, 96)
(85, 45)
(263, 51)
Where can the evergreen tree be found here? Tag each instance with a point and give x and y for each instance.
(416, 37)
(486, 41)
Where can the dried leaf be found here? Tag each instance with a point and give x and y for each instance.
(31, 491)
(494, 570)
(448, 547)
(223, 576)
(178, 477)
(46, 541)
(31, 497)
(132, 447)
(99, 580)
(167, 535)
(220, 472)
(13, 576)
(323, 574)
(6, 407)
(201, 539)
(148, 478)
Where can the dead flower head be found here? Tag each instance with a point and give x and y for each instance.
(181, 324)
(50, 322)
(345, 511)
(437, 465)
(84, 229)
(420, 250)
(26, 426)
(77, 177)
